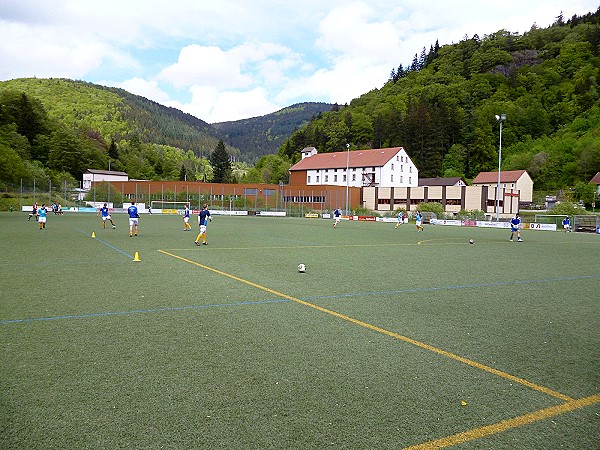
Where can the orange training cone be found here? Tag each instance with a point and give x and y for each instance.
(93, 234)
(136, 257)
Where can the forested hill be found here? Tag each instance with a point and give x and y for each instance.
(441, 108)
(259, 136)
(117, 114)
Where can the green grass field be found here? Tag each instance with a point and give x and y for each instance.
(391, 339)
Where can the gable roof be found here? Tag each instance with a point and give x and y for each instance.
(596, 179)
(440, 181)
(339, 160)
(507, 176)
(106, 172)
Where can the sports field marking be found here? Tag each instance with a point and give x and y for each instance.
(515, 422)
(105, 243)
(377, 329)
(135, 311)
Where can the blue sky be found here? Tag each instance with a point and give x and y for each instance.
(223, 60)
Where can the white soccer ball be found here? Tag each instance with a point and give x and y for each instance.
(471, 241)
(301, 268)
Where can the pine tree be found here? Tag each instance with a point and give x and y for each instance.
(219, 160)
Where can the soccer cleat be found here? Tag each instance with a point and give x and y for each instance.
(204, 243)
(510, 240)
(131, 235)
(519, 240)
(114, 226)
(197, 243)
(135, 234)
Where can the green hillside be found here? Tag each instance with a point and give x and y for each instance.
(442, 107)
(259, 136)
(117, 114)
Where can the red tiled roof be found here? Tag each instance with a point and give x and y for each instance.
(506, 176)
(339, 160)
(596, 179)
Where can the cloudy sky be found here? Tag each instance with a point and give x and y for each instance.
(226, 60)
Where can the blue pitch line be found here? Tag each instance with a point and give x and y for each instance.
(137, 311)
(105, 243)
(443, 288)
(359, 294)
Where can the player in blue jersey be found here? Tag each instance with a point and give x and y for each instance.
(186, 219)
(515, 227)
(41, 216)
(203, 218)
(336, 214)
(567, 224)
(419, 221)
(134, 216)
(400, 219)
(105, 216)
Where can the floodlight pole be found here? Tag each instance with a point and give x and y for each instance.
(347, 174)
(500, 118)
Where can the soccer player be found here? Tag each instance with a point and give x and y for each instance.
(567, 224)
(41, 214)
(515, 227)
(203, 218)
(419, 221)
(133, 219)
(33, 212)
(400, 219)
(105, 216)
(186, 219)
(337, 213)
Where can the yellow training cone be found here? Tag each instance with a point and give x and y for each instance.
(136, 257)
(93, 234)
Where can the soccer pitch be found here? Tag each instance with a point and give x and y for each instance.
(390, 339)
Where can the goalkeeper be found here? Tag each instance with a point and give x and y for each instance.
(203, 218)
(134, 216)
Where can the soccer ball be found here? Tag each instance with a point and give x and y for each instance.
(301, 268)
(471, 241)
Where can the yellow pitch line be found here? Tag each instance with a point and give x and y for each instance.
(439, 351)
(515, 422)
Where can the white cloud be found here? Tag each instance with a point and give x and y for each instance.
(231, 59)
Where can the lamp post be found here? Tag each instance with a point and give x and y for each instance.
(347, 174)
(500, 118)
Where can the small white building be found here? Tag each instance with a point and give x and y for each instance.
(384, 167)
(91, 176)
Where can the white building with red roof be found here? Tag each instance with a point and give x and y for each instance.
(511, 182)
(383, 167)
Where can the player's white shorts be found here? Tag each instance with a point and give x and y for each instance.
(105, 218)
(186, 219)
(418, 223)
(133, 221)
(202, 229)
(42, 219)
(337, 220)
(567, 227)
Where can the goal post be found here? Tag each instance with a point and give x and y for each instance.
(169, 207)
(556, 219)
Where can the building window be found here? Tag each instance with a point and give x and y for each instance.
(392, 178)
(410, 169)
(353, 177)
(402, 159)
(401, 167)
(317, 178)
(392, 166)
(335, 178)
(326, 178)
(401, 179)
(397, 158)
(309, 178)
(409, 180)
(344, 177)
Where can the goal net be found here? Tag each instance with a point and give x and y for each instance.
(556, 219)
(169, 207)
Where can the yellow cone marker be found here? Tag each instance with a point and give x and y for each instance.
(463, 403)
(136, 257)
(93, 234)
